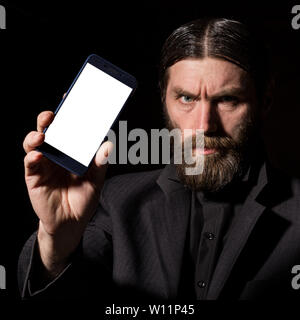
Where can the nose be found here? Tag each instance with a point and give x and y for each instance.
(206, 117)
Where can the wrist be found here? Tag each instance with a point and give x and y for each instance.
(53, 253)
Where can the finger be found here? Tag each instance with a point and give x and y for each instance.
(98, 169)
(33, 140)
(103, 153)
(31, 162)
(44, 119)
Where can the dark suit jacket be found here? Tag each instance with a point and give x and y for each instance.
(134, 245)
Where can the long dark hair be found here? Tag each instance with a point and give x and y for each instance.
(221, 38)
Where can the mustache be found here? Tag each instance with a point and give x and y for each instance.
(220, 143)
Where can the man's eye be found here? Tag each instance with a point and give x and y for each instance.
(229, 100)
(186, 99)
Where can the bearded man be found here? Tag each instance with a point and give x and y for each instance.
(229, 232)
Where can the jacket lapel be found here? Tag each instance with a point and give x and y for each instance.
(238, 235)
(176, 218)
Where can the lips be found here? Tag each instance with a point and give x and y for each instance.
(212, 145)
(209, 151)
(206, 151)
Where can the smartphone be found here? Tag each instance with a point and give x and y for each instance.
(86, 113)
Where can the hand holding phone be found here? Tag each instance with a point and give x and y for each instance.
(63, 201)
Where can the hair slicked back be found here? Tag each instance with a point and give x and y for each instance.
(220, 38)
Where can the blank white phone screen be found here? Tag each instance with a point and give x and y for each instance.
(87, 114)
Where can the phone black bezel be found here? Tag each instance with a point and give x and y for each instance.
(58, 156)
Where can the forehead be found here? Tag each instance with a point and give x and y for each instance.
(210, 73)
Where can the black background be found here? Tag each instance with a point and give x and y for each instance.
(45, 44)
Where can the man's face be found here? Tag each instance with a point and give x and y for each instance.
(219, 98)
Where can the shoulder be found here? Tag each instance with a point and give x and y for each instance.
(284, 193)
(132, 181)
(124, 193)
(284, 181)
(128, 186)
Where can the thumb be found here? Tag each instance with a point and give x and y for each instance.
(103, 153)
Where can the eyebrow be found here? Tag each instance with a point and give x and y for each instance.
(181, 92)
(231, 91)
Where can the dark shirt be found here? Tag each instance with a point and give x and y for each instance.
(211, 216)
